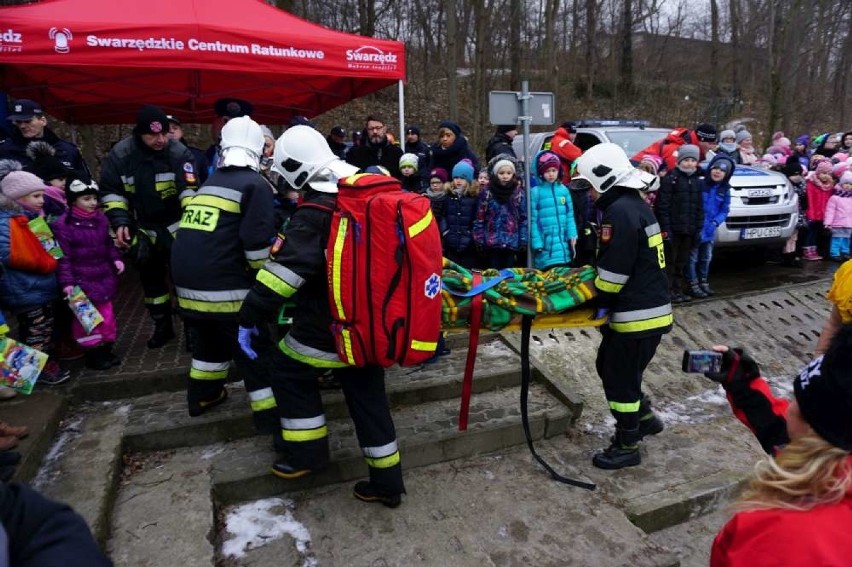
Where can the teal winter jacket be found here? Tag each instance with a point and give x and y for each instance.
(552, 224)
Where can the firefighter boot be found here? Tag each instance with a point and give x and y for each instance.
(366, 491)
(197, 408)
(623, 452)
(283, 469)
(649, 422)
(163, 331)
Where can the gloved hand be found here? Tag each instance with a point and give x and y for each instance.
(67, 290)
(602, 313)
(119, 267)
(738, 369)
(244, 336)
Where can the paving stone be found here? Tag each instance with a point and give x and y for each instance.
(427, 434)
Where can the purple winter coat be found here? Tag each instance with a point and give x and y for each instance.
(90, 255)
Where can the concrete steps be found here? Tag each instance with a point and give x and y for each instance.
(427, 434)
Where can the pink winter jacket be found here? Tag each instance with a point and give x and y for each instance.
(838, 210)
(818, 196)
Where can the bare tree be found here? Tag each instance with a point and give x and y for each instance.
(452, 62)
(626, 60)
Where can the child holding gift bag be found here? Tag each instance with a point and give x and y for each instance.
(91, 261)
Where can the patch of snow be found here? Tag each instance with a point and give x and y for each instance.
(257, 523)
(503, 532)
(212, 451)
(494, 348)
(600, 429)
(489, 475)
(70, 431)
(696, 409)
(122, 411)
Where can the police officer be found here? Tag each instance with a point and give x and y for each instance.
(176, 133)
(631, 281)
(146, 179)
(305, 161)
(223, 241)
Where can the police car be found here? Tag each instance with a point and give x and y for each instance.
(764, 206)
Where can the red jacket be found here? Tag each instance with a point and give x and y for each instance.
(768, 538)
(667, 147)
(563, 147)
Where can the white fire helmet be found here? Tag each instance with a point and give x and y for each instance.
(606, 165)
(302, 156)
(241, 144)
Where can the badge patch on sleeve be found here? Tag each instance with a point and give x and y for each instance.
(606, 232)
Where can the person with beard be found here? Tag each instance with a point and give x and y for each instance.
(146, 180)
(680, 209)
(500, 228)
(376, 149)
(30, 125)
(451, 148)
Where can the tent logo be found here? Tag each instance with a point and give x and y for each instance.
(370, 57)
(11, 41)
(60, 37)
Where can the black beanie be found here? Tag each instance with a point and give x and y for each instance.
(78, 184)
(45, 164)
(151, 120)
(823, 391)
(504, 128)
(706, 132)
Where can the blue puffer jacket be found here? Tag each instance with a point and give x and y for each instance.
(459, 213)
(716, 198)
(552, 217)
(501, 224)
(20, 291)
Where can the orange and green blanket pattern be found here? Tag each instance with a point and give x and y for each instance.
(527, 292)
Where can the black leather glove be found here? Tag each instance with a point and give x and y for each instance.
(738, 369)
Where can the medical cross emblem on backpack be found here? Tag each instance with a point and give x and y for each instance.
(433, 286)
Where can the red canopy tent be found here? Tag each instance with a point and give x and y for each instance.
(98, 61)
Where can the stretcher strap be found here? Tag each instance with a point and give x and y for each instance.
(473, 343)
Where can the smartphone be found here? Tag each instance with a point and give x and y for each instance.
(700, 361)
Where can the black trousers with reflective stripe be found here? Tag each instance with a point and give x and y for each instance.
(216, 341)
(297, 393)
(620, 363)
(154, 275)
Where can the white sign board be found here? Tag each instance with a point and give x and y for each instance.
(504, 107)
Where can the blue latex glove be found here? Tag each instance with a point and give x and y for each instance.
(244, 336)
(601, 313)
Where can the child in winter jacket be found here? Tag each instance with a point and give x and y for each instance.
(819, 187)
(91, 261)
(459, 213)
(553, 230)
(838, 217)
(411, 180)
(680, 210)
(500, 228)
(716, 198)
(28, 287)
(437, 193)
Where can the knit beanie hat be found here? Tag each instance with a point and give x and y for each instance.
(504, 128)
(439, 173)
(727, 134)
(724, 164)
(822, 167)
(839, 169)
(45, 164)
(783, 142)
(846, 178)
(792, 167)
(823, 391)
(688, 151)
(18, 184)
(77, 185)
(545, 161)
(151, 120)
(463, 169)
(706, 132)
(655, 161)
(502, 162)
(743, 135)
(777, 135)
(804, 140)
(408, 160)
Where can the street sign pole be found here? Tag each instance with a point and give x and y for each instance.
(525, 120)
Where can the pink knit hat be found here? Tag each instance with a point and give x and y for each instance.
(845, 178)
(18, 184)
(654, 160)
(840, 168)
(824, 166)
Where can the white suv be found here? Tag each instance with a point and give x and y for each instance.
(764, 206)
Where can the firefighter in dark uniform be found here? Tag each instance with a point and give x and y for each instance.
(632, 284)
(224, 239)
(146, 180)
(298, 270)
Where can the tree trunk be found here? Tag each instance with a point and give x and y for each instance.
(366, 17)
(714, 48)
(590, 47)
(515, 47)
(452, 62)
(626, 63)
(736, 89)
(551, 12)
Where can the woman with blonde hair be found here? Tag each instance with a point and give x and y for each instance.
(797, 509)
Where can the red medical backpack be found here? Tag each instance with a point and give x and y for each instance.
(384, 273)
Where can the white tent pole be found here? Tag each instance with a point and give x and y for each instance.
(401, 115)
